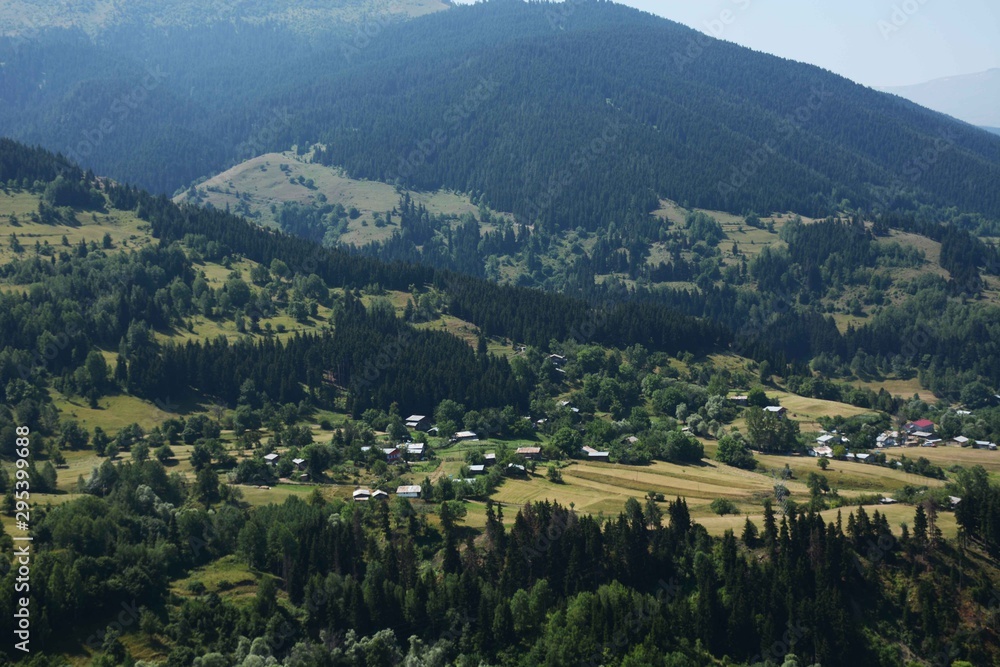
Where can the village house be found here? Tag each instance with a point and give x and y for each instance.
(300, 464)
(829, 439)
(742, 400)
(491, 458)
(418, 422)
(477, 470)
(920, 426)
(529, 452)
(594, 455)
(360, 495)
(887, 439)
(776, 410)
(272, 458)
(379, 494)
(961, 440)
(416, 450)
(408, 491)
(823, 450)
(557, 359)
(516, 469)
(985, 444)
(464, 435)
(392, 454)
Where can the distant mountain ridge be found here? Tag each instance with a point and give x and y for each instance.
(974, 98)
(27, 17)
(585, 114)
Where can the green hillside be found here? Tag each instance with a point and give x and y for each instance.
(160, 352)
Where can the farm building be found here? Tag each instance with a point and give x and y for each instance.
(379, 494)
(465, 435)
(594, 455)
(409, 491)
(920, 426)
(361, 495)
(776, 410)
(491, 458)
(272, 458)
(477, 470)
(418, 422)
(529, 452)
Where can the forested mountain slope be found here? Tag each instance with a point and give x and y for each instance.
(570, 115)
(24, 18)
(209, 577)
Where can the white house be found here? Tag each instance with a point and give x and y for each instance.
(961, 440)
(823, 451)
(418, 422)
(594, 455)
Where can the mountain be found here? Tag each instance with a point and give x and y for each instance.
(201, 400)
(994, 130)
(974, 98)
(578, 115)
(26, 18)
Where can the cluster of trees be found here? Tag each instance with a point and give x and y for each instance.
(381, 584)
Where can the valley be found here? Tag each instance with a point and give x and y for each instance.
(404, 333)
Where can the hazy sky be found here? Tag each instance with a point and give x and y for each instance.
(874, 42)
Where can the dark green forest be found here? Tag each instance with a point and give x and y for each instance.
(527, 105)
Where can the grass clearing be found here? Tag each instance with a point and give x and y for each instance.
(252, 187)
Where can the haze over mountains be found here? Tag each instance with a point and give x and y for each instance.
(575, 114)
(670, 318)
(27, 18)
(974, 98)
